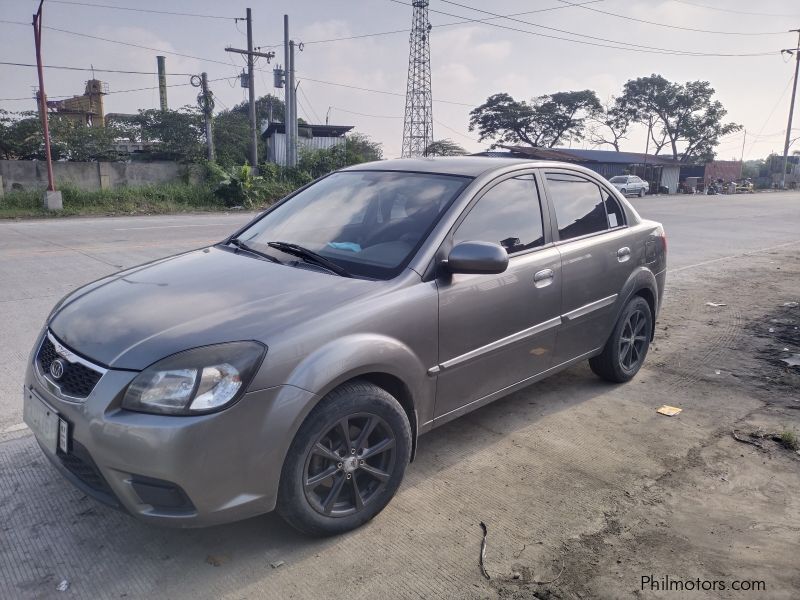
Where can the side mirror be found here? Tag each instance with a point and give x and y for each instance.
(477, 258)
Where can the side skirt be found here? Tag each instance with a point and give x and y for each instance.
(475, 404)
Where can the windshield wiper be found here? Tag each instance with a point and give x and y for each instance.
(248, 248)
(310, 256)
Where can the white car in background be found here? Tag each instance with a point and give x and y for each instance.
(630, 185)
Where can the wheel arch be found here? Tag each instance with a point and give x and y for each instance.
(642, 282)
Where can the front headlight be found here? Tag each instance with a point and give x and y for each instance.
(197, 381)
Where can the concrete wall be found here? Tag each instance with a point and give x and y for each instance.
(32, 174)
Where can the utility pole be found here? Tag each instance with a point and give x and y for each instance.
(52, 198)
(290, 107)
(205, 100)
(251, 54)
(741, 159)
(796, 52)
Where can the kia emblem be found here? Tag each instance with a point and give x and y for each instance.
(57, 368)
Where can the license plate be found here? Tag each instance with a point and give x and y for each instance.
(50, 429)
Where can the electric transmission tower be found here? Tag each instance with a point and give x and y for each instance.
(418, 125)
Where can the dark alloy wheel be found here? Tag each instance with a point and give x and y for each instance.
(633, 341)
(349, 465)
(346, 461)
(626, 348)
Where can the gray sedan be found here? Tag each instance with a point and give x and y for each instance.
(293, 365)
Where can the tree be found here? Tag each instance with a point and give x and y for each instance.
(444, 148)
(684, 117)
(358, 148)
(545, 121)
(610, 125)
(180, 133)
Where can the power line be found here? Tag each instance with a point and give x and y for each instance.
(385, 92)
(628, 46)
(310, 105)
(93, 69)
(142, 89)
(352, 112)
(142, 10)
(461, 21)
(466, 137)
(769, 116)
(668, 26)
(121, 43)
(737, 12)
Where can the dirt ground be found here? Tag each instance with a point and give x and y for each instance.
(716, 510)
(579, 482)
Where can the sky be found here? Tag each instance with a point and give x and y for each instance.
(470, 60)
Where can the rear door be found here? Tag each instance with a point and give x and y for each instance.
(596, 249)
(498, 330)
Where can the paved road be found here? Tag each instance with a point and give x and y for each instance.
(41, 260)
(557, 455)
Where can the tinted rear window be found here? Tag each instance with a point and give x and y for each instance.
(579, 205)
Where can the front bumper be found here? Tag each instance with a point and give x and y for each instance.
(177, 471)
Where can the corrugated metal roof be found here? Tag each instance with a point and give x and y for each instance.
(599, 156)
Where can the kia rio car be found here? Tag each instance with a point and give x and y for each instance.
(293, 365)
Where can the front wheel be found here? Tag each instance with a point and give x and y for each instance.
(624, 192)
(626, 348)
(641, 193)
(346, 461)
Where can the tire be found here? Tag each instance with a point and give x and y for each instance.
(641, 193)
(619, 362)
(318, 455)
(624, 192)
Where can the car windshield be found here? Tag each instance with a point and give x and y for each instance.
(618, 179)
(368, 222)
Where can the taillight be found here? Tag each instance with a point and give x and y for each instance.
(663, 235)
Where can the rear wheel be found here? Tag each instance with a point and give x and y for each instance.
(346, 461)
(626, 348)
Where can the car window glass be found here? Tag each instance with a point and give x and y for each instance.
(616, 217)
(369, 222)
(508, 214)
(579, 205)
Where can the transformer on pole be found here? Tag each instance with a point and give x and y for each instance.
(418, 124)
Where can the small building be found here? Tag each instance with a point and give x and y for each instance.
(310, 137)
(662, 173)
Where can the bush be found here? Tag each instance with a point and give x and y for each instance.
(240, 187)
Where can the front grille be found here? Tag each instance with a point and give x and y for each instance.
(78, 380)
(79, 463)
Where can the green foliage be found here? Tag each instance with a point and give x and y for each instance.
(238, 186)
(684, 117)
(21, 136)
(356, 149)
(154, 199)
(179, 133)
(545, 121)
(444, 148)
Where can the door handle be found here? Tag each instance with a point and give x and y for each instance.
(543, 278)
(623, 254)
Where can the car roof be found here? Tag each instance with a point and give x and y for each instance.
(471, 166)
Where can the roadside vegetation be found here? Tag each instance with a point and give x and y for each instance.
(177, 135)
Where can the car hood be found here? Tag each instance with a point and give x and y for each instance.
(138, 316)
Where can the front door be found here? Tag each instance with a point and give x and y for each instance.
(498, 330)
(597, 255)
